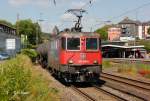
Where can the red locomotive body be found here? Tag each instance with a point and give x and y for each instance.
(73, 55)
(76, 57)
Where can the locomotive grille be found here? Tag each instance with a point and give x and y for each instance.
(83, 56)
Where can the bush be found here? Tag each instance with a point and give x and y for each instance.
(14, 80)
(31, 53)
(20, 82)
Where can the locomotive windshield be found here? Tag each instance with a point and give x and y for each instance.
(91, 43)
(73, 43)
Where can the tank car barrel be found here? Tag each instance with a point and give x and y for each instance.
(43, 49)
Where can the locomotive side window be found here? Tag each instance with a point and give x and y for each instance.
(63, 43)
(73, 43)
(91, 43)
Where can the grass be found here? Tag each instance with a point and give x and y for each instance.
(129, 68)
(20, 82)
(107, 64)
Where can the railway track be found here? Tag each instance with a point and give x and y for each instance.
(106, 90)
(85, 95)
(117, 94)
(135, 88)
(136, 83)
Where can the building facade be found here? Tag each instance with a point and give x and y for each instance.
(146, 26)
(9, 42)
(114, 33)
(129, 29)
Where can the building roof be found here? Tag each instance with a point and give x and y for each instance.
(146, 23)
(129, 21)
(1, 24)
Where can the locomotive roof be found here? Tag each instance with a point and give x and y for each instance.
(79, 34)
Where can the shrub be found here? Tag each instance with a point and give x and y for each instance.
(14, 80)
(31, 53)
(20, 82)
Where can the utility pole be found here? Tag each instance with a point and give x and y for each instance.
(37, 28)
(17, 24)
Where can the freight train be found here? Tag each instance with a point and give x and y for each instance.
(74, 56)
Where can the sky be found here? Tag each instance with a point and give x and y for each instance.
(99, 12)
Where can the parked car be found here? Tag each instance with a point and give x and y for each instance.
(4, 56)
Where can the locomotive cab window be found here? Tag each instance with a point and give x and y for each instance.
(91, 43)
(73, 43)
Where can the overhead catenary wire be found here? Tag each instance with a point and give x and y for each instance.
(87, 3)
(129, 11)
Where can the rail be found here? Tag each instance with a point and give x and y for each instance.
(85, 95)
(129, 83)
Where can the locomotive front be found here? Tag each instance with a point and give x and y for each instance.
(81, 57)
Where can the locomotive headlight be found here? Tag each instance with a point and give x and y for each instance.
(70, 62)
(95, 62)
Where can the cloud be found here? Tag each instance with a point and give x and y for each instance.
(18, 2)
(48, 26)
(43, 3)
(68, 17)
(78, 5)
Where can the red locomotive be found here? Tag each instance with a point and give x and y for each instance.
(74, 56)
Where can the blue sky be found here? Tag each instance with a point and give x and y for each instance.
(98, 11)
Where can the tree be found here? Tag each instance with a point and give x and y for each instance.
(146, 44)
(30, 29)
(103, 32)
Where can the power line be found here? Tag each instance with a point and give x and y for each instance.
(89, 2)
(129, 11)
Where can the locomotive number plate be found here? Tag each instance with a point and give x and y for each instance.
(83, 56)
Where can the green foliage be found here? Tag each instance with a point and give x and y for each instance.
(32, 30)
(146, 43)
(20, 82)
(31, 53)
(14, 80)
(103, 32)
(148, 31)
(45, 36)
